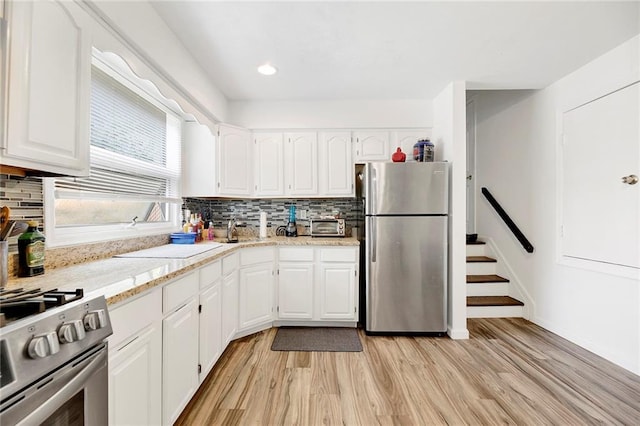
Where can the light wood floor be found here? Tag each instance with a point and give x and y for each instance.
(510, 371)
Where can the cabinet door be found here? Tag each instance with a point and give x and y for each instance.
(235, 154)
(295, 290)
(256, 295)
(337, 287)
(48, 88)
(599, 211)
(210, 328)
(372, 146)
(198, 161)
(336, 164)
(405, 139)
(302, 163)
(269, 164)
(180, 360)
(135, 379)
(229, 307)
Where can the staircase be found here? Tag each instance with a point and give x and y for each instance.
(488, 292)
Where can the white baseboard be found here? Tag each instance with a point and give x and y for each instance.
(458, 333)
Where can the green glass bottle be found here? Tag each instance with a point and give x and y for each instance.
(31, 251)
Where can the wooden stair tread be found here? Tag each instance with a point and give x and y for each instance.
(476, 243)
(493, 301)
(477, 259)
(474, 279)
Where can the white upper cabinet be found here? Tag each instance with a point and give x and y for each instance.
(371, 145)
(198, 161)
(405, 139)
(336, 164)
(235, 176)
(48, 77)
(269, 163)
(302, 163)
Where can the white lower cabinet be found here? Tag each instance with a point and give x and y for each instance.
(135, 362)
(167, 341)
(336, 291)
(230, 284)
(135, 380)
(318, 284)
(180, 360)
(210, 310)
(295, 290)
(256, 288)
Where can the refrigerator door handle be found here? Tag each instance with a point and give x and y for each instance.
(373, 244)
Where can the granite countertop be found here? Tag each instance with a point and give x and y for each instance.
(118, 278)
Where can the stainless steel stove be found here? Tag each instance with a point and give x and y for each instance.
(53, 357)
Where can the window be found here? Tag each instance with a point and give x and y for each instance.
(134, 182)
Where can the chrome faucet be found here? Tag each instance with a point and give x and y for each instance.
(232, 230)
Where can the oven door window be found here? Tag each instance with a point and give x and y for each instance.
(71, 413)
(325, 228)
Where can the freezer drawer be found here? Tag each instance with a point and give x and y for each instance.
(406, 274)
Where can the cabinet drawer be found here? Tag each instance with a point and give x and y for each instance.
(338, 254)
(179, 291)
(210, 274)
(131, 317)
(256, 255)
(230, 263)
(296, 254)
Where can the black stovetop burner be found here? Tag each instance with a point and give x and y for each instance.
(17, 303)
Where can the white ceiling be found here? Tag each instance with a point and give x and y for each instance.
(393, 50)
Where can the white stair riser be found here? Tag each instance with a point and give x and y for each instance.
(481, 268)
(476, 249)
(488, 289)
(495, 312)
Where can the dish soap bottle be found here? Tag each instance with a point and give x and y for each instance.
(31, 251)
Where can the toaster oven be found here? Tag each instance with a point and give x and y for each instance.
(327, 228)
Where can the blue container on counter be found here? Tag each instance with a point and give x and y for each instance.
(183, 238)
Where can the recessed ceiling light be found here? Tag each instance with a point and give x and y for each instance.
(267, 69)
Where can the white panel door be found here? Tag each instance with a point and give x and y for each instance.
(302, 163)
(269, 164)
(337, 286)
(210, 328)
(48, 90)
(295, 290)
(179, 360)
(256, 295)
(235, 161)
(372, 146)
(135, 379)
(336, 164)
(599, 211)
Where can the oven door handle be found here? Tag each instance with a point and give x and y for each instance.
(75, 385)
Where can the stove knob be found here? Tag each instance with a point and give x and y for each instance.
(43, 345)
(71, 331)
(95, 320)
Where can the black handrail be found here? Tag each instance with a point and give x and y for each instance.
(507, 220)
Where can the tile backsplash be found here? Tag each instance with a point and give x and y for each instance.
(23, 195)
(248, 210)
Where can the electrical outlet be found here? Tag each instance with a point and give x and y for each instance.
(303, 214)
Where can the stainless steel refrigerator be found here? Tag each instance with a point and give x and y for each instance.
(406, 229)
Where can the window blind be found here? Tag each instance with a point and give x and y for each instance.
(135, 149)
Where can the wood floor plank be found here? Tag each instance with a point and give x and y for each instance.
(510, 371)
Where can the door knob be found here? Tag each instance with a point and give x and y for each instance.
(630, 180)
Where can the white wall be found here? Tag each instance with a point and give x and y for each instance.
(516, 160)
(134, 31)
(346, 114)
(449, 138)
